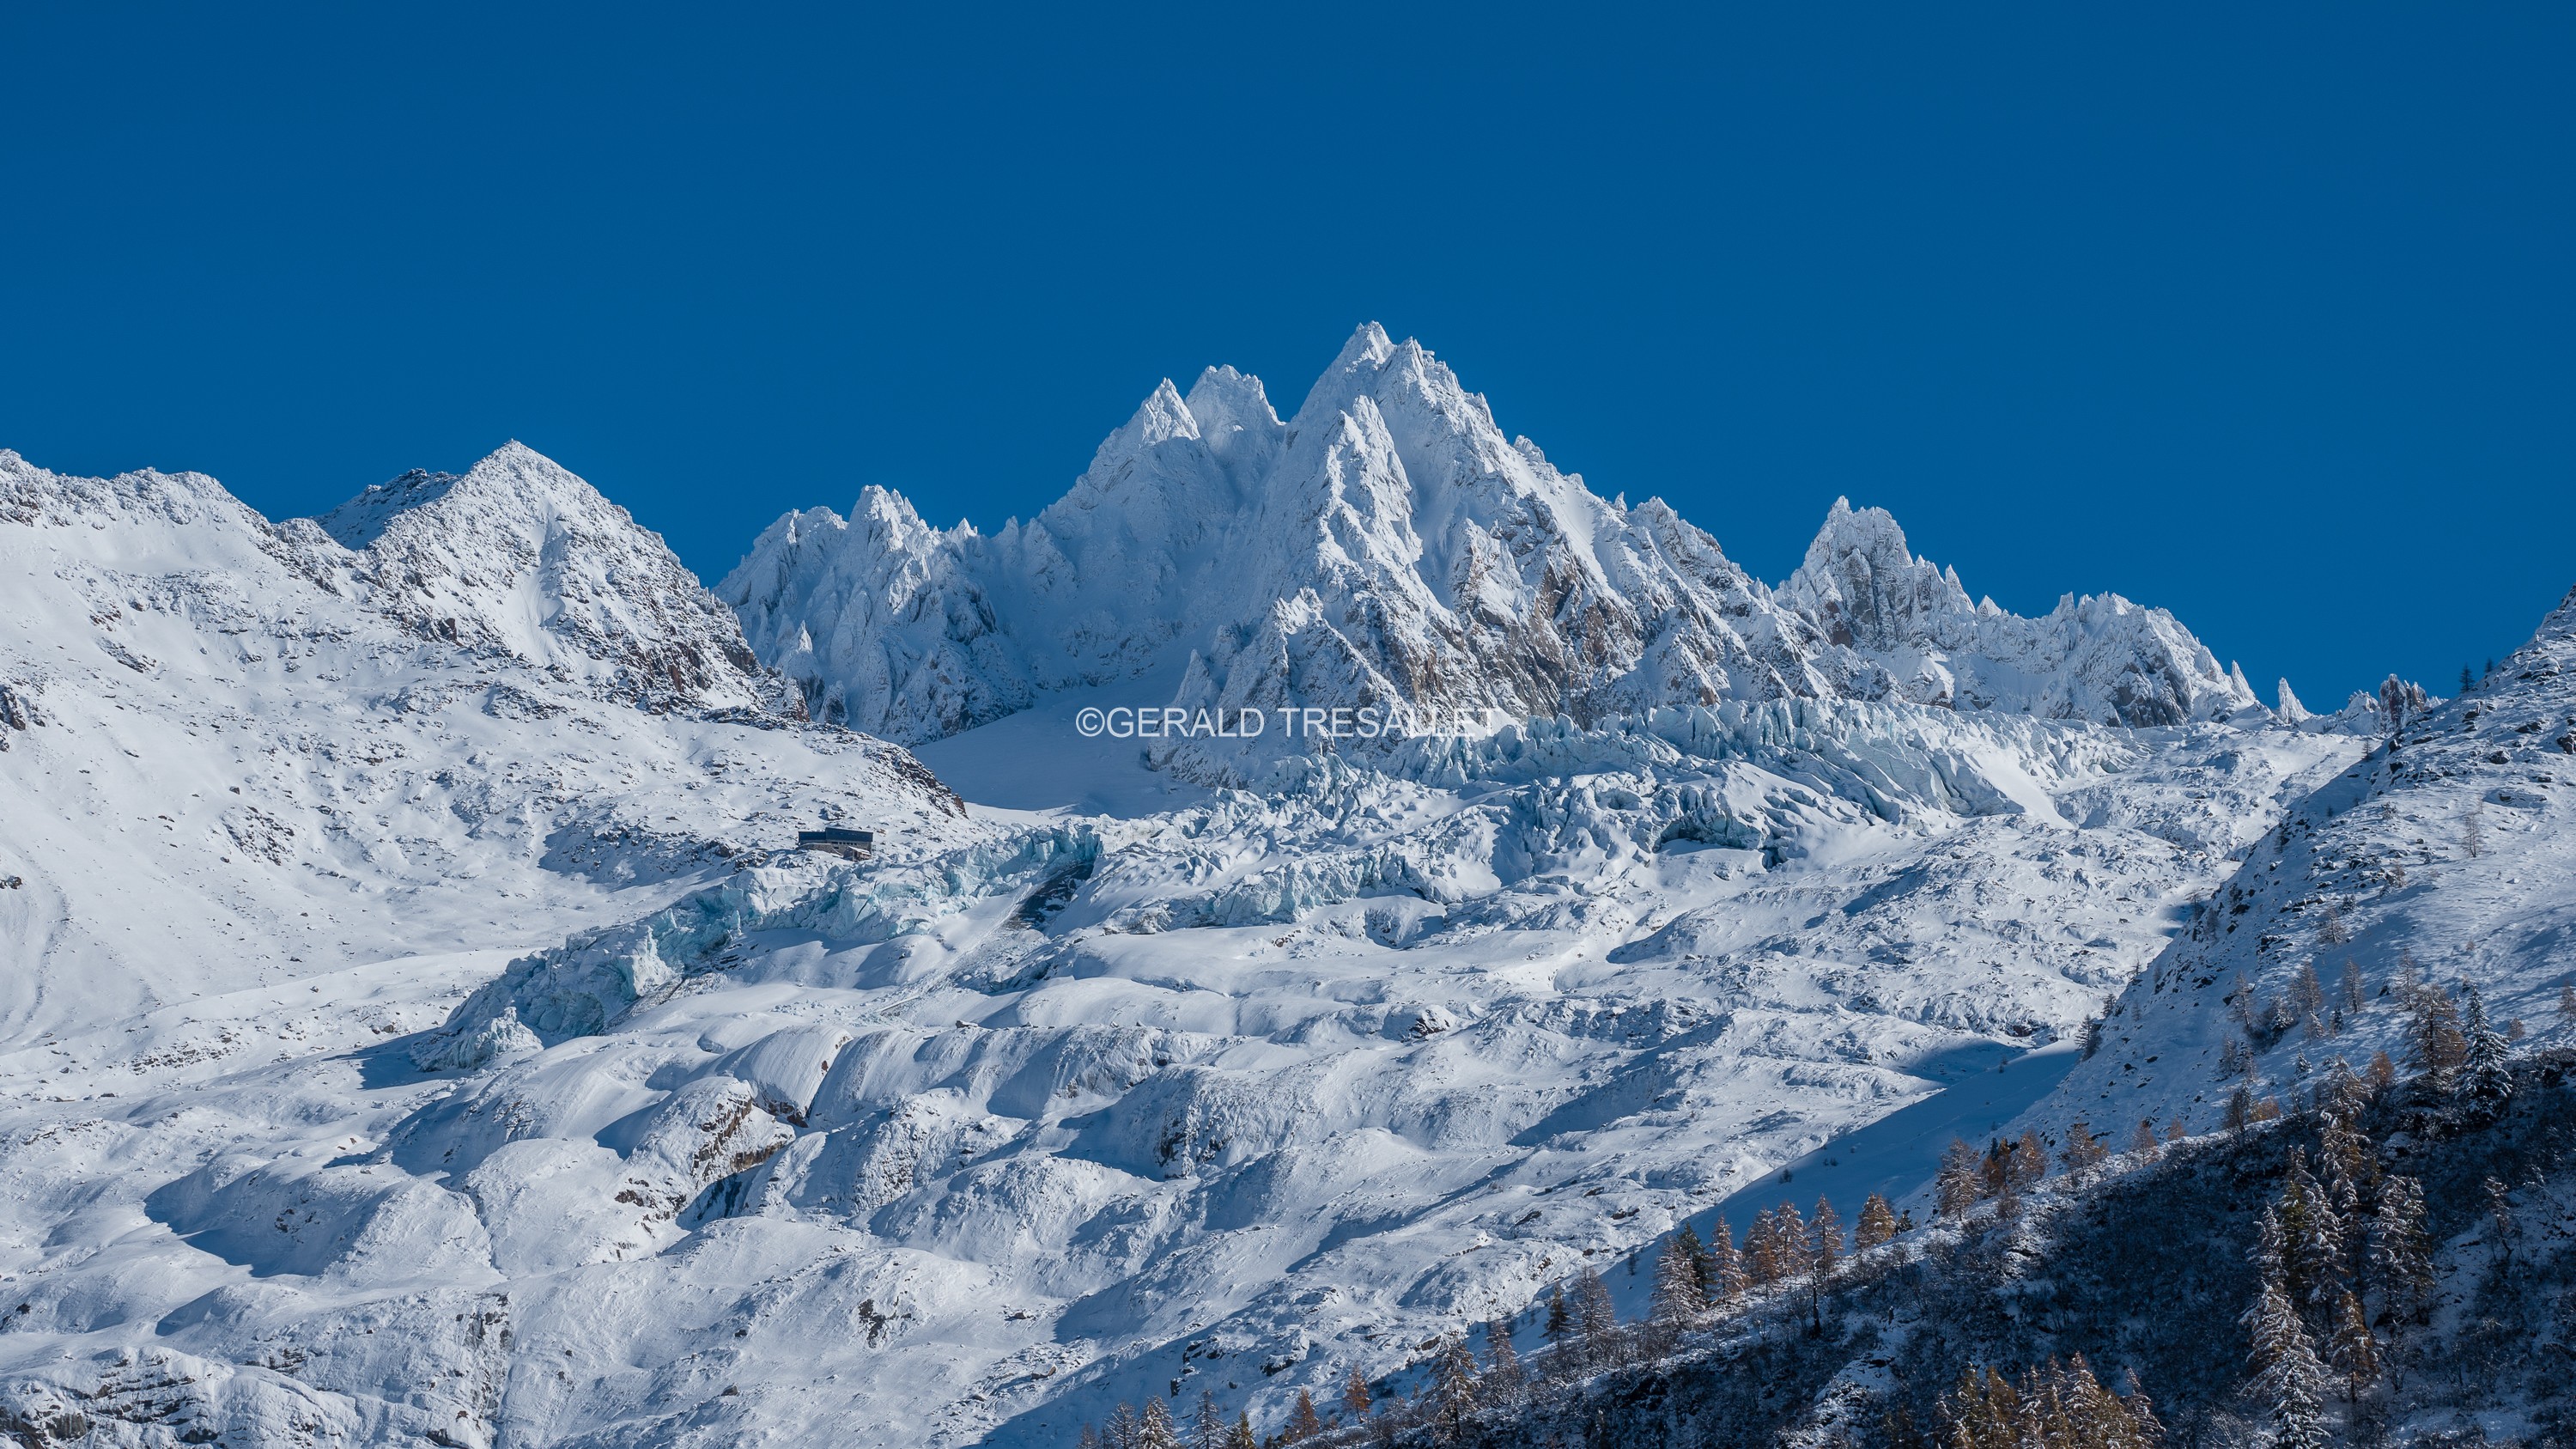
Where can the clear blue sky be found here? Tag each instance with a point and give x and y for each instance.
(2261, 313)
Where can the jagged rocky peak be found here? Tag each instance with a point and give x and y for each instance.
(1390, 543)
(520, 557)
(1901, 626)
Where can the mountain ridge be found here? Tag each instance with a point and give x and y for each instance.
(1388, 544)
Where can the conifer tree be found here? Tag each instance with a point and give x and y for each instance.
(1824, 1238)
(2383, 1072)
(2287, 1372)
(2148, 1430)
(1789, 1240)
(2567, 1001)
(1155, 1429)
(2400, 1253)
(1725, 1281)
(2029, 1161)
(2240, 1108)
(1122, 1431)
(1762, 1250)
(2307, 993)
(1207, 1426)
(1695, 1250)
(1504, 1382)
(2354, 1351)
(1453, 1390)
(1560, 1331)
(2174, 1131)
(1674, 1303)
(2083, 1149)
(1355, 1396)
(1089, 1438)
(1956, 1188)
(2143, 1142)
(1241, 1435)
(1303, 1421)
(2440, 1048)
(1596, 1318)
(2487, 1075)
(2313, 1238)
(1877, 1224)
(2354, 1000)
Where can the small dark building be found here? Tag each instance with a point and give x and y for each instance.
(832, 840)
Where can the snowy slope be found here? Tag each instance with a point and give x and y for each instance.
(2448, 848)
(481, 1074)
(1389, 544)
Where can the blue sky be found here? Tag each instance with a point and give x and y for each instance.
(2261, 313)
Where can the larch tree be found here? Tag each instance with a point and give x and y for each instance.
(2143, 1143)
(1597, 1318)
(1207, 1426)
(1824, 1238)
(1355, 1396)
(1121, 1431)
(2567, 1001)
(2287, 1372)
(1504, 1383)
(1303, 1421)
(1453, 1390)
(2440, 1047)
(1560, 1331)
(1675, 1302)
(1241, 1435)
(1725, 1280)
(2083, 1149)
(2029, 1161)
(2401, 1259)
(1957, 1187)
(1155, 1429)
(2354, 1351)
(1877, 1224)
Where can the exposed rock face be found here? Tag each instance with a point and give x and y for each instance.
(1388, 544)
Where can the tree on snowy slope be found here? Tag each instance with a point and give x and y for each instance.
(1155, 1429)
(1303, 1421)
(2354, 1351)
(2286, 1370)
(1724, 1278)
(1677, 1298)
(1505, 1384)
(1958, 1186)
(2487, 1076)
(1877, 1224)
(2054, 1407)
(1824, 1248)
(2401, 1258)
(1597, 1319)
(1560, 1331)
(1453, 1390)
(2441, 1049)
(2083, 1149)
(1207, 1426)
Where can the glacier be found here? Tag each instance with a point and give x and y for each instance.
(418, 1029)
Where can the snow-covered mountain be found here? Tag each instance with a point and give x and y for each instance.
(1388, 544)
(412, 1032)
(2443, 855)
